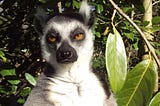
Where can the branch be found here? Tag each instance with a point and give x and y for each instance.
(156, 2)
(149, 46)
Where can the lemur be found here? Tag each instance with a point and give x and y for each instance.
(67, 46)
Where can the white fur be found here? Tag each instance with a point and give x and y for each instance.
(73, 84)
(85, 10)
(61, 89)
(84, 53)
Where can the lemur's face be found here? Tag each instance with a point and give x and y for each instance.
(65, 38)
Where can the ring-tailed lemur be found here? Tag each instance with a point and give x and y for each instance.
(67, 45)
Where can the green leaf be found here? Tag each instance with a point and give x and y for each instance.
(157, 51)
(154, 29)
(21, 100)
(155, 100)
(43, 1)
(14, 81)
(130, 36)
(25, 91)
(76, 4)
(127, 9)
(145, 23)
(139, 85)
(30, 79)
(8, 72)
(2, 56)
(98, 34)
(156, 20)
(13, 89)
(99, 8)
(116, 61)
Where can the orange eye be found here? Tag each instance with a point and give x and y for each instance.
(79, 36)
(51, 39)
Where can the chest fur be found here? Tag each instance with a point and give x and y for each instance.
(64, 93)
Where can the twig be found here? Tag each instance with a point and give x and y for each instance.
(114, 13)
(156, 2)
(149, 46)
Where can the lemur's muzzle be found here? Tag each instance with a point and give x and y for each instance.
(66, 54)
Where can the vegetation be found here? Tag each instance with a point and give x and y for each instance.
(119, 49)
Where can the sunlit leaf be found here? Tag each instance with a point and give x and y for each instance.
(116, 61)
(155, 100)
(98, 34)
(30, 79)
(99, 8)
(25, 91)
(139, 85)
(14, 81)
(2, 56)
(8, 72)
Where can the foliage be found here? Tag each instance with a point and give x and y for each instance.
(116, 61)
(30, 79)
(20, 58)
(139, 80)
(155, 101)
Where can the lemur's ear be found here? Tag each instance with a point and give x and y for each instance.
(40, 20)
(88, 16)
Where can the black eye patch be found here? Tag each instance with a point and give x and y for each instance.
(77, 34)
(53, 36)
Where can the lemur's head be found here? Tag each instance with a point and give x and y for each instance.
(66, 38)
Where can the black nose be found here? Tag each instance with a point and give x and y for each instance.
(66, 54)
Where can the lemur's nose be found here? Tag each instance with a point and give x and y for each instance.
(66, 53)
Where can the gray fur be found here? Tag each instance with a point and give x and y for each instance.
(72, 83)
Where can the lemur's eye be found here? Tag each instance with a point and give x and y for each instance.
(79, 36)
(52, 39)
(53, 36)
